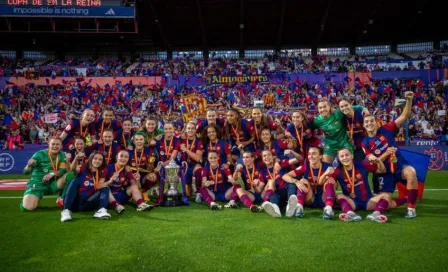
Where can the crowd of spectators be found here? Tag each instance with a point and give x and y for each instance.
(25, 106)
(187, 65)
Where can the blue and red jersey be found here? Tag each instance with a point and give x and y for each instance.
(109, 152)
(257, 128)
(221, 147)
(248, 175)
(305, 136)
(355, 127)
(140, 159)
(166, 147)
(267, 173)
(123, 138)
(194, 145)
(312, 175)
(361, 183)
(87, 183)
(277, 148)
(100, 125)
(73, 154)
(75, 128)
(123, 180)
(244, 134)
(378, 144)
(219, 176)
(202, 124)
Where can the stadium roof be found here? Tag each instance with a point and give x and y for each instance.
(286, 23)
(246, 24)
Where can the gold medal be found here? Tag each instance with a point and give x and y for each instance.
(352, 195)
(394, 159)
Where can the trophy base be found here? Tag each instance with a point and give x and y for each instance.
(170, 201)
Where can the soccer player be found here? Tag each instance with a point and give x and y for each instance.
(88, 191)
(150, 131)
(108, 147)
(354, 122)
(260, 122)
(211, 119)
(303, 132)
(192, 151)
(309, 192)
(140, 159)
(356, 193)
(336, 136)
(46, 166)
(125, 134)
(380, 143)
(80, 147)
(253, 186)
(168, 146)
(276, 190)
(238, 133)
(277, 147)
(84, 128)
(78, 153)
(216, 182)
(211, 137)
(107, 121)
(123, 185)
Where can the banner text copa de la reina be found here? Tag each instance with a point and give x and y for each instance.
(240, 79)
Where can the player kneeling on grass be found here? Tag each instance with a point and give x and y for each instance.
(253, 186)
(309, 191)
(88, 191)
(123, 184)
(46, 166)
(216, 182)
(356, 193)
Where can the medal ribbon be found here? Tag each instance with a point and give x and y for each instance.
(215, 178)
(96, 180)
(192, 144)
(351, 126)
(251, 176)
(118, 170)
(213, 147)
(54, 166)
(392, 160)
(236, 134)
(102, 127)
(318, 176)
(83, 134)
(109, 153)
(168, 148)
(256, 130)
(299, 135)
(272, 176)
(351, 180)
(137, 162)
(124, 141)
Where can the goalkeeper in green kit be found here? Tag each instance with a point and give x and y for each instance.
(46, 166)
(335, 130)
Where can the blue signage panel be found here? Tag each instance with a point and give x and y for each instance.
(64, 11)
(13, 161)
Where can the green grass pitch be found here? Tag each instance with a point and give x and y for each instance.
(197, 239)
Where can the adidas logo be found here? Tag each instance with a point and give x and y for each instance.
(110, 12)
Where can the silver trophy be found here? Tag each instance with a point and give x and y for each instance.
(172, 196)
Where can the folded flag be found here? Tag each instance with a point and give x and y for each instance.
(420, 162)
